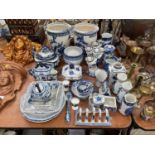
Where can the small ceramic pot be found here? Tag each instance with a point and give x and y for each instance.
(75, 103)
(107, 38)
(85, 33)
(126, 87)
(109, 50)
(128, 103)
(58, 33)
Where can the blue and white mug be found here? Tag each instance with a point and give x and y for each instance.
(128, 104)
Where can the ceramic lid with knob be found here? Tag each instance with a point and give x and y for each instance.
(127, 85)
(122, 77)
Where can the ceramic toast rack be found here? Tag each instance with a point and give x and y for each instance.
(94, 117)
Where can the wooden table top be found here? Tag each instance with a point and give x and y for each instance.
(11, 117)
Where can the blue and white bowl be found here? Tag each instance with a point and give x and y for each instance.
(58, 33)
(85, 33)
(82, 88)
(73, 55)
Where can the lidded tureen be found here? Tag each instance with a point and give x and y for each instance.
(46, 56)
(43, 72)
(72, 72)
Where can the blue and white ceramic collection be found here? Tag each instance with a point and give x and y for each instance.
(73, 55)
(128, 103)
(82, 88)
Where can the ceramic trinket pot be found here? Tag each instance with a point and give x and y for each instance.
(72, 72)
(43, 101)
(58, 33)
(121, 77)
(98, 100)
(12, 76)
(46, 56)
(19, 50)
(114, 69)
(75, 103)
(85, 33)
(82, 88)
(126, 87)
(128, 103)
(73, 55)
(44, 72)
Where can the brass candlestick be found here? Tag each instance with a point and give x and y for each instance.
(132, 69)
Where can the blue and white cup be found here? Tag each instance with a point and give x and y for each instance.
(107, 38)
(58, 33)
(128, 103)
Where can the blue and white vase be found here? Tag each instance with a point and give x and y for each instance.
(107, 38)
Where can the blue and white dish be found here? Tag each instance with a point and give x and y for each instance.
(85, 33)
(107, 38)
(72, 72)
(46, 56)
(58, 33)
(82, 88)
(109, 50)
(73, 55)
(43, 101)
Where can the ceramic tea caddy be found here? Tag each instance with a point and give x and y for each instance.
(82, 88)
(103, 102)
(43, 72)
(85, 33)
(88, 117)
(58, 33)
(126, 87)
(72, 72)
(114, 69)
(42, 101)
(121, 77)
(46, 56)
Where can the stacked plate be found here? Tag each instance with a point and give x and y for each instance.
(43, 104)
